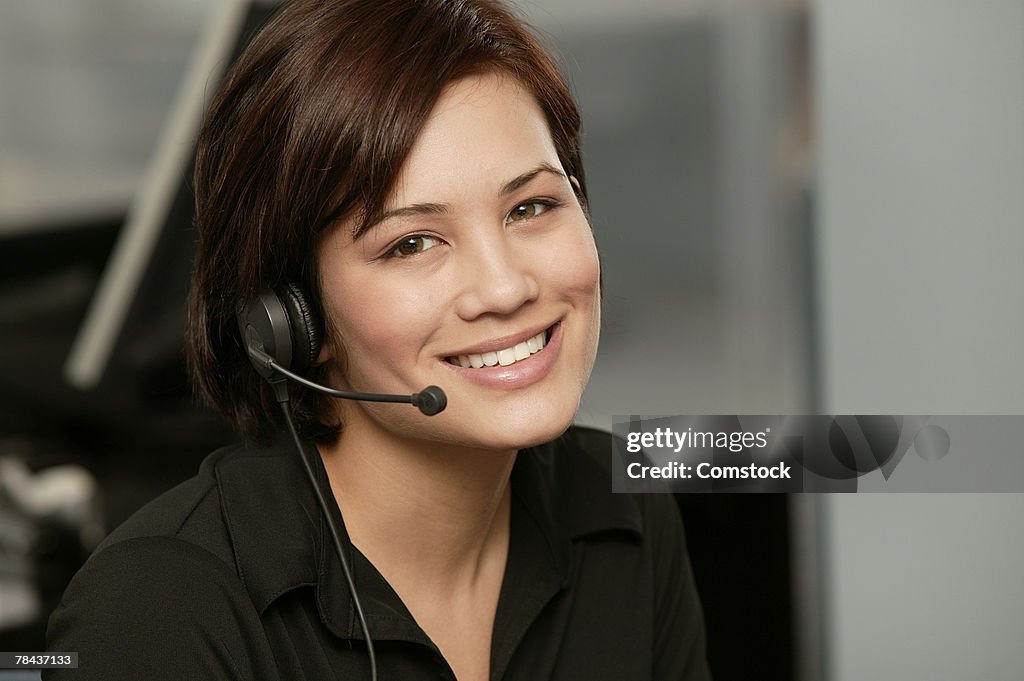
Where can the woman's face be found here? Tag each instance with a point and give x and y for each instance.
(484, 250)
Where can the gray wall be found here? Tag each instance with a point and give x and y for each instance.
(921, 289)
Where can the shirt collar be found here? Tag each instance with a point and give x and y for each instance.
(281, 541)
(567, 491)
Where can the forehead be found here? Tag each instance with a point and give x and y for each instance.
(483, 131)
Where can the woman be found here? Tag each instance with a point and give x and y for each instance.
(408, 172)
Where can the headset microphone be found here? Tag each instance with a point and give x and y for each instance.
(282, 336)
(431, 400)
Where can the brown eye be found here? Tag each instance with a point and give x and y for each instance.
(413, 245)
(525, 211)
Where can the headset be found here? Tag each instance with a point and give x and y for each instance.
(282, 336)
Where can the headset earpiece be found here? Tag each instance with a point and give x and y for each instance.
(282, 325)
(307, 333)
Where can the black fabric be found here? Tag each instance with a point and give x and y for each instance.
(231, 575)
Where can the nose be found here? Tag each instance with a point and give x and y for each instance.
(497, 280)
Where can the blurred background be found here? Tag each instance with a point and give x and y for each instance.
(802, 207)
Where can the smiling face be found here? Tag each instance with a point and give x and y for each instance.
(482, 278)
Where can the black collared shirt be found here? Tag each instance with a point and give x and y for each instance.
(232, 575)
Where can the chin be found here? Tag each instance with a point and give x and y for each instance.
(528, 428)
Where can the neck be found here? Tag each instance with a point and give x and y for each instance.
(423, 513)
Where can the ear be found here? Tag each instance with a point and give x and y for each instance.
(576, 186)
(326, 353)
(579, 195)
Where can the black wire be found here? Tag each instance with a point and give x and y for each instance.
(349, 395)
(334, 535)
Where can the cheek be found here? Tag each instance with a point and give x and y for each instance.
(574, 266)
(369, 322)
(574, 275)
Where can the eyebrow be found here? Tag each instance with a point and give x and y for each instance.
(442, 208)
(526, 177)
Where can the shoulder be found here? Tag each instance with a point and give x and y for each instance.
(164, 581)
(189, 512)
(157, 607)
(139, 575)
(196, 511)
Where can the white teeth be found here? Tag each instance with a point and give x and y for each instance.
(504, 357)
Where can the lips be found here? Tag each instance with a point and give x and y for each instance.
(504, 352)
(503, 357)
(519, 373)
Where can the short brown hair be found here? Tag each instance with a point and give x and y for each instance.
(311, 126)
